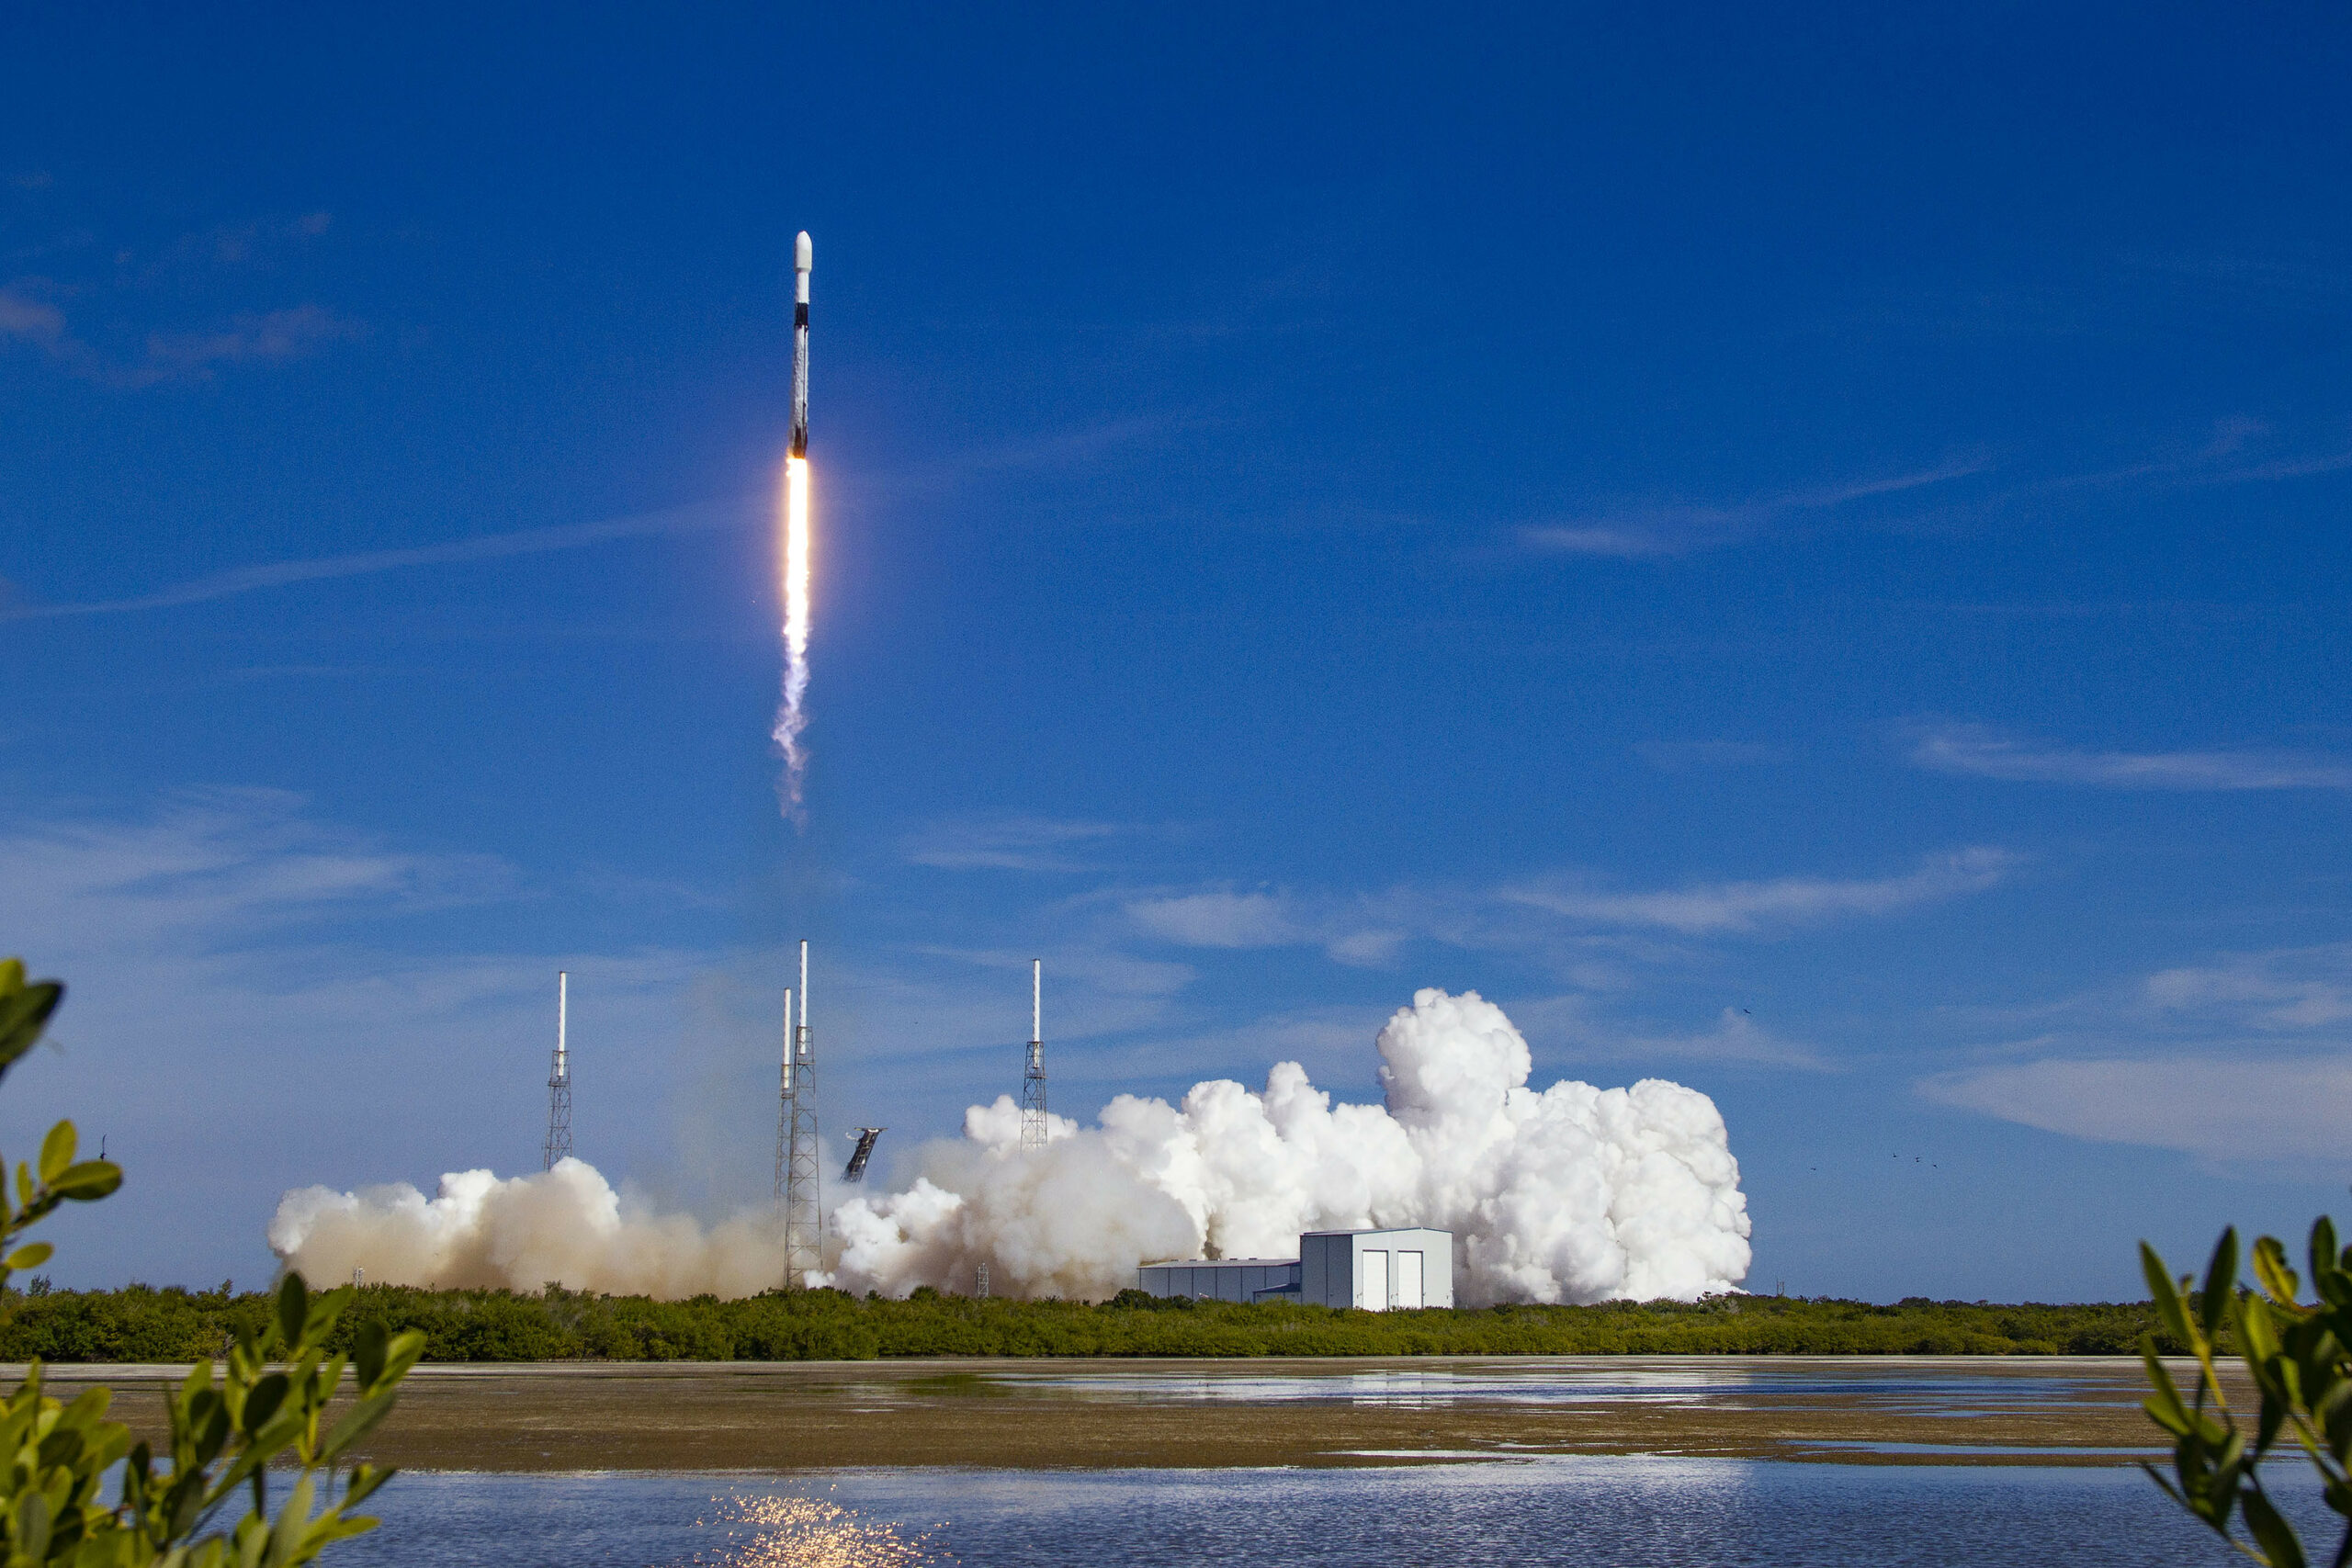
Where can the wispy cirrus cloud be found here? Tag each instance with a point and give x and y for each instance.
(228, 246)
(2312, 467)
(1734, 1036)
(217, 867)
(1364, 933)
(1778, 904)
(480, 548)
(116, 286)
(270, 337)
(1010, 843)
(2219, 1106)
(1987, 753)
(29, 314)
(28, 319)
(1221, 920)
(2229, 453)
(1679, 528)
(2299, 995)
(2288, 989)
(1560, 917)
(2238, 1058)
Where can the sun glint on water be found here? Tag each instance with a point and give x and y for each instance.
(810, 1532)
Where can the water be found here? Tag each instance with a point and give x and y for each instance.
(1580, 1510)
(1935, 1390)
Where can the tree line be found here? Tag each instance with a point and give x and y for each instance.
(143, 1323)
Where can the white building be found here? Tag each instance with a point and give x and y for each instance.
(1376, 1271)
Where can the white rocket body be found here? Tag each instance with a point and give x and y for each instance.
(802, 255)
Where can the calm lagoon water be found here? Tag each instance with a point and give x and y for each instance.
(1554, 1510)
(1940, 1390)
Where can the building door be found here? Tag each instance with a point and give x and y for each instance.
(1372, 1282)
(1409, 1280)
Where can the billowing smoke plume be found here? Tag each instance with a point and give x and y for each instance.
(1575, 1194)
(566, 1226)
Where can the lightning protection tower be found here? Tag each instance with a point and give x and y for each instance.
(559, 1146)
(804, 1239)
(784, 1111)
(1033, 1124)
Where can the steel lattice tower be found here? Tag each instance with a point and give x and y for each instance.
(784, 1110)
(1034, 1126)
(558, 1145)
(803, 1178)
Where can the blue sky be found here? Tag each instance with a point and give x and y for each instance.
(1801, 554)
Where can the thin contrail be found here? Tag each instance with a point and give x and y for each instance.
(488, 546)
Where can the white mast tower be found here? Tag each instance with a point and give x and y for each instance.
(803, 1180)
(784, 1111)
(1034, 1122)
(558, 1145)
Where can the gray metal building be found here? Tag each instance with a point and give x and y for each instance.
(1377, 1270)
(1223, 1279)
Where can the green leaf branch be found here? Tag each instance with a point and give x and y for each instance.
(267, 1406)
(2299, 1355)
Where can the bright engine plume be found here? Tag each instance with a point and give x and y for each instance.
(792, 715)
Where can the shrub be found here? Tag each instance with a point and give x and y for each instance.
(267, 1410)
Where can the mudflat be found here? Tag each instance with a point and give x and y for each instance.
(1082, 1414)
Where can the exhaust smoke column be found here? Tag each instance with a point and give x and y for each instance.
(791, 716)
(1567, 1193)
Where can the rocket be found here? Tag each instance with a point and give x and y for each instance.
(801, 253)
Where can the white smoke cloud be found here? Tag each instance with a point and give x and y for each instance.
(1570, 1194)
(566, 1226)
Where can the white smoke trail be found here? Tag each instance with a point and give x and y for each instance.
(791, 716)
(1573, 1193)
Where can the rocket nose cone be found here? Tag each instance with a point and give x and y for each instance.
(801, 251)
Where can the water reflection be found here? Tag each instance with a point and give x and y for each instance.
(1634, 1511)
(1938, 1390)
(807, 1532)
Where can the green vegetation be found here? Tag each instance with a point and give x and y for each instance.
(267, 1410)
(142, 1323)
(2300, 1356)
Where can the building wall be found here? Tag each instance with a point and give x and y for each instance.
(1220, 1280)
(1372, 1269)
(1315, 1251)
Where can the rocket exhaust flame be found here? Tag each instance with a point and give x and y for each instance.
(792, 716)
